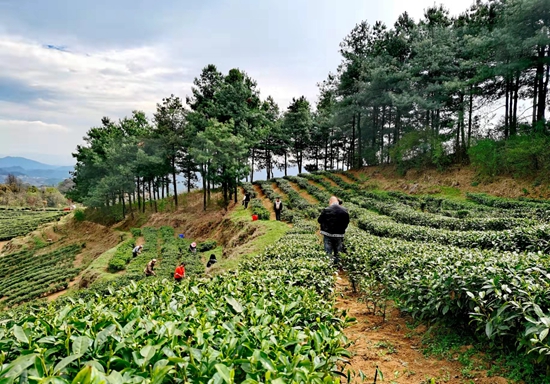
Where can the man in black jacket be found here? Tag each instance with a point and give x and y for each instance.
(334, 221)
(278, 207)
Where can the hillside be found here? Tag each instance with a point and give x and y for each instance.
(388, 227)
(455, 181)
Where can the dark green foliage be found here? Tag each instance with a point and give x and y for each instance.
(259, 209)
(520, 156)
(207, 245)
(136, 232)
(122, 256)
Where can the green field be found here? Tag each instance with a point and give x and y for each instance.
(16, 222)
(475, 264)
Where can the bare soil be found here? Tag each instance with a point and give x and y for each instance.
(345, 178)
(316, 185)
(265, 201)
(330, 181)
(304, 194)
(394, 348)
(2, 243)
(278, 190)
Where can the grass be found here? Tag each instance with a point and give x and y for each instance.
(100, 264)
(271, 231)
(475, 355)
(451, 193)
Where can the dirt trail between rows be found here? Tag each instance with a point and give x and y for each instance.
(394, 348)
(277, 190)
(265, 201)
(310, 199)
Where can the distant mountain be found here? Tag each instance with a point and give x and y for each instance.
(33, 172)
(24, 163)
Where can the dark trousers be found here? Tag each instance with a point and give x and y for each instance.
(278, 215)
(333, 246)
(245, 204)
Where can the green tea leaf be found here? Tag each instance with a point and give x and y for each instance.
(237, 307)
(81, 345)
(20, 334)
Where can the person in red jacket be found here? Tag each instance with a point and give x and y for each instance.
(179, 273)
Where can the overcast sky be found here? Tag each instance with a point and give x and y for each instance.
(64, 64)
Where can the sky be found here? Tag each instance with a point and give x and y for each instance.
(64, 64)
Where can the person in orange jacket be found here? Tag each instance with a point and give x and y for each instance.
(179, 273)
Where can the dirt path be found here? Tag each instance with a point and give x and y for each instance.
(316, 185)
(345, 178)
(54, 296)
(329, 181)
(304, 194)
(278, 190)
(395, 348)
(2, 243)
(265, 201)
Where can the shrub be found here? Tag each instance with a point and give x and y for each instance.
(207, 245)
(136, 232)
(122, 256)
(79, 215)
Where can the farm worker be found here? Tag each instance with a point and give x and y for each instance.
(179, 273)
(334, 221)
(212, 261)
(193, 247)
(246, 199)
(278, 207)
(150, 268)
(137, 250)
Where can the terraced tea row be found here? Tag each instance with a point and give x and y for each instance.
(15, 223)
(501, 294)
(27, 275)
(270, 321)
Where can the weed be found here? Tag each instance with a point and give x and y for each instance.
(387, 345)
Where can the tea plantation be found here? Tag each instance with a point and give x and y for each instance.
(18, 222)
(479, 264)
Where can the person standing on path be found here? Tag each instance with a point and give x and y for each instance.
(246, 199)
(334, 221)
(278, 207)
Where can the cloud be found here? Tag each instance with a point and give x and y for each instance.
(31, 126)
(66, 64)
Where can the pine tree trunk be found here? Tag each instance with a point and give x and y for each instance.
(175, 183)
(545, 87)
(138, 195)
(351, 152)
(541, 93)
(252, 168)
(203, 167)
(359, 142)
(470, 111)
(123, 204)
(506, 112)
(514, 125)
(285, 164)
(462, 124)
